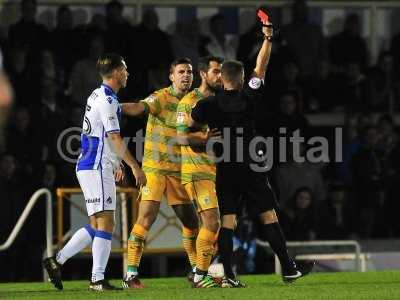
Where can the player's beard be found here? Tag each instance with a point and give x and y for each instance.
(214, 87)
(185, 87)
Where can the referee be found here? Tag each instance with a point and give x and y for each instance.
(232, 113)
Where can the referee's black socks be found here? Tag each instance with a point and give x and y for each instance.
(276, 239)
(225, 248)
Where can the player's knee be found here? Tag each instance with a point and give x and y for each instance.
(107, 226)
(211, 220)
(213, 225)
(146, 220)
(190, 221)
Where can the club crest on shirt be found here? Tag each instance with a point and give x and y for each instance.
(206, 200)
(146, 190)
(180, 117)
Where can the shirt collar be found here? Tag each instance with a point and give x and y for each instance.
(172, 92)
(198, 93)
(109, 90)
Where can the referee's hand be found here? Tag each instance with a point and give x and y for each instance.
(213, 134)
(268, 30)
(139, 176)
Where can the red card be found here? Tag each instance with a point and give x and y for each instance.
(263, 16)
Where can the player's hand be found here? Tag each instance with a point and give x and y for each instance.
(213, 133)
(119, 174)
(139, 176)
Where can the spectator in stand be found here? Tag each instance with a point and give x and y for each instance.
(355, 92)
(85, 32)
(188, 40)
(288, 117)
(395, 50)
(336, 215)
(352, 147)
(348, 46)
(221, 44)
(302, 32)
(323, 91)
(290, 81)
(391, 140)
(50, 116)
(85, 76)
(64, 34)
(299, 222)
(20, 76)
(380, 84)
(367, 171)
(23, 141)
(291, 175)
(145, 56)
(118, 28)
(27, 33)
(387, 131)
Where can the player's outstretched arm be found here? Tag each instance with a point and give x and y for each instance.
(264, 53)
(133, 109)
(122, 152)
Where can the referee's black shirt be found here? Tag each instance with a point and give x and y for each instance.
(233, 113)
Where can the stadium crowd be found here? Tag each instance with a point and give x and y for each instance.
(53, 71)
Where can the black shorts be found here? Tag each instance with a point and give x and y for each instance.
(236, 182)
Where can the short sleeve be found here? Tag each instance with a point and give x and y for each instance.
(152, 104)
(200, 113)
(109, 116)
(183, 117)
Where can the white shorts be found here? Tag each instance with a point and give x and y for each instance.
(99, 190)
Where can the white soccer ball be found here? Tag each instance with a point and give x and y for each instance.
(216, 270)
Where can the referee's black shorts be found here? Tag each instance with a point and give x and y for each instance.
(236, 180)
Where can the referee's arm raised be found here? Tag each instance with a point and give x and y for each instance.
(264, 53)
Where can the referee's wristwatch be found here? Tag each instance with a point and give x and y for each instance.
(269, 38)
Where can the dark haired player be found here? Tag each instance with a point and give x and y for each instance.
(97, 169)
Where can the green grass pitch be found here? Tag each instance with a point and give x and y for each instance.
(370, 285)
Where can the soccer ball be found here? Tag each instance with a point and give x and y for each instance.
(216, 271)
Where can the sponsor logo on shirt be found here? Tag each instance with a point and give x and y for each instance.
(146, 190)
(94, 200)
(180, 117)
